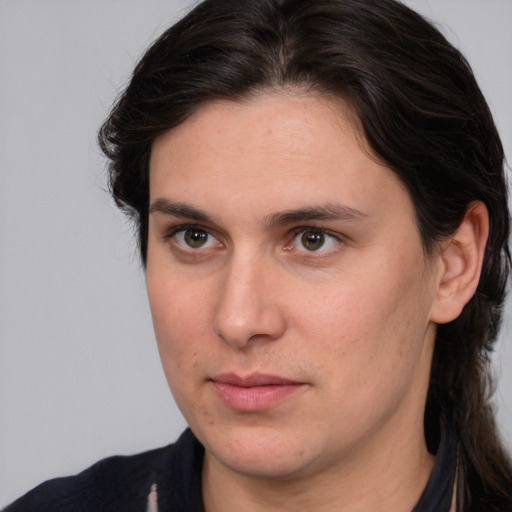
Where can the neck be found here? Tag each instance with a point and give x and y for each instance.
(377, 478)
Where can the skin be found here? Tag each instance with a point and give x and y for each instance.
(352, 322)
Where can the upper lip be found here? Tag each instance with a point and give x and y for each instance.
(252, 380)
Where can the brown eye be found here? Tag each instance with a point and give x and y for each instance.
(195, 238)
(315, 240)
(312, 241)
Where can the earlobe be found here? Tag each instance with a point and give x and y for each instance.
(460, 263)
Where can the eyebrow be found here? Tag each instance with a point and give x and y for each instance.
(330, 211)
(178, 210)
(327, 212)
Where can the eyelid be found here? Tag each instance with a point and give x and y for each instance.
(299, 230)
(169, 233)
(180, 228)
(317, 229)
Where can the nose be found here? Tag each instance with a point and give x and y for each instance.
(248, 308)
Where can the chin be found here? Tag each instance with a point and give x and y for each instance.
(260, 452)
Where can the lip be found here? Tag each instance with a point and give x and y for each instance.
(255, 392)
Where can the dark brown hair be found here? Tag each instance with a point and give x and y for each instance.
(421, 112)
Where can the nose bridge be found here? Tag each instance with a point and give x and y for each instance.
(246, 308)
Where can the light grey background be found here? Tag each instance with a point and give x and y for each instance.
(80, 377)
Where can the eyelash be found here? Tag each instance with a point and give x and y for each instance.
(294, 234)
(302, 230)
(183, 228)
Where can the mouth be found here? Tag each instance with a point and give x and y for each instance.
(255, 392)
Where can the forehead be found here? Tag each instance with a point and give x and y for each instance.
(265, 125)
(273, 149)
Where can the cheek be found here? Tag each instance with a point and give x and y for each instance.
(371, 324)
(180, 323)
(182, 331)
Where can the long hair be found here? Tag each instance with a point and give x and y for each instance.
(422, 114)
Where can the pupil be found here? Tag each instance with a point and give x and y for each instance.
(312, 241)
(195, 237)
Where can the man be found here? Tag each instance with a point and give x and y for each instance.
(322, 215)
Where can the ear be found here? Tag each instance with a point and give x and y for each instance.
(460, 263)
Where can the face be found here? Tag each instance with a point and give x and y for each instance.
(290, 293)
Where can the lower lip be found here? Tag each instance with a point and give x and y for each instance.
(255, 398)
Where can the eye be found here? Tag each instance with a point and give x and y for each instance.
(314, 240)
(195, 238)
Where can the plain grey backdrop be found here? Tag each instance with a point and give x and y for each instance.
(80, 377)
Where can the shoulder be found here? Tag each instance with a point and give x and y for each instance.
(101, 487)
(118, 483)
